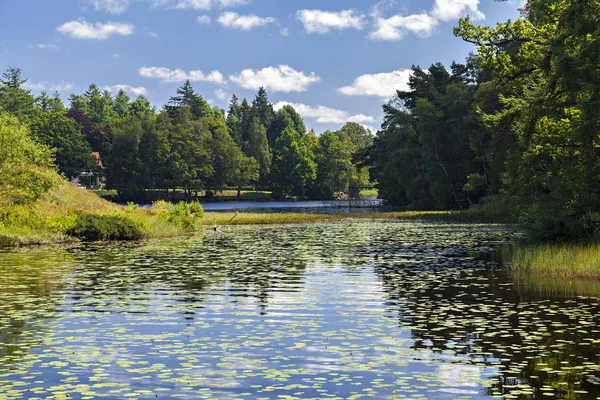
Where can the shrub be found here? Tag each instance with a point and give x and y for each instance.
(92, 227)
(186, 214)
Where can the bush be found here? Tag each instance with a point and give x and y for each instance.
(547, 222)
(91, 227)
(186, 214)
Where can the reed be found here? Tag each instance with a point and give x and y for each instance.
(557, 260)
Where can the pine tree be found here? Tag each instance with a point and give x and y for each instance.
(262, 108)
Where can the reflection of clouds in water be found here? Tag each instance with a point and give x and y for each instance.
(454, 376)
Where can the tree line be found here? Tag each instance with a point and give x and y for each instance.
(516, 127)
(188, 145)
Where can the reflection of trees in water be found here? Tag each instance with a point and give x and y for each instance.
(28, 299)
(478, 313)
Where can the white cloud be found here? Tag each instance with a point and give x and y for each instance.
(244, 22)
(111, 6)
(43, 85)
(138, 91)
(179, 75)
(232, 3)
(203, 20)
(199, 4)
(325, 115)
(394, 28)
(278, 79)
(221, 95)
(382, 85)
(98, 31)
(195, 4)
(44, 46)
(318, 21)
(451, 10)
(284, 32)
(153, 35)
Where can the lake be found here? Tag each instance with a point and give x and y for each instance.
(356, 309)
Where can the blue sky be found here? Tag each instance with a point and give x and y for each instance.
(335, 60)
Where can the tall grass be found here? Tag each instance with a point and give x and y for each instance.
(558, 260)
(220, 218)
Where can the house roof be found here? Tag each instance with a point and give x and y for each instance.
(96, 155)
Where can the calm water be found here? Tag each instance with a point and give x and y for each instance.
(345, 310)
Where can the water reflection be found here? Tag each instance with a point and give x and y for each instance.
(342, 310)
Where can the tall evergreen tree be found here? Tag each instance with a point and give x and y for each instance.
(262, 108)
(257, 147)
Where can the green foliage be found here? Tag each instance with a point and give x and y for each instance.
(546, 65)
(92, 227)
(257, 147)
(26, 168)
(294, 168)
(334, 166)
(72, 151)
(186, 215)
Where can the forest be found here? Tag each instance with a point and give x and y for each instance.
(188, 145)
(513, 130)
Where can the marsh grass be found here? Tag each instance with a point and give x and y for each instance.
(556, 260)
(305, 218)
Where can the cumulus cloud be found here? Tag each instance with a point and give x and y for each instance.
(244, 22)
(221, 95)
(382, 85)
(179, 75)
(98, 31)
(450, 10)
(43, 85)
(278, 79)
(111, 6)
(325, 115)
(203, 20)
(318, 21)
(423, 24)
(396, 27)
(199, 4)
(138, 91)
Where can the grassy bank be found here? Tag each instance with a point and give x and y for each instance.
(55, 218)
(567, 261)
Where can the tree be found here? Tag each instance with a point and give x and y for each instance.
(334, 166)
(357, 139)
(286, 117)
(47, 103)
(262, 108)
(546, 66)
(99, 105)
(64, 135)
(121, 103)
(246, 172)
(294, 168)
(124, 170)
(187, 97)
(226, 154)
(141, 106)
(13, 98)
(234, 120)
(26, 167)
(432, 145)
(257, 147)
